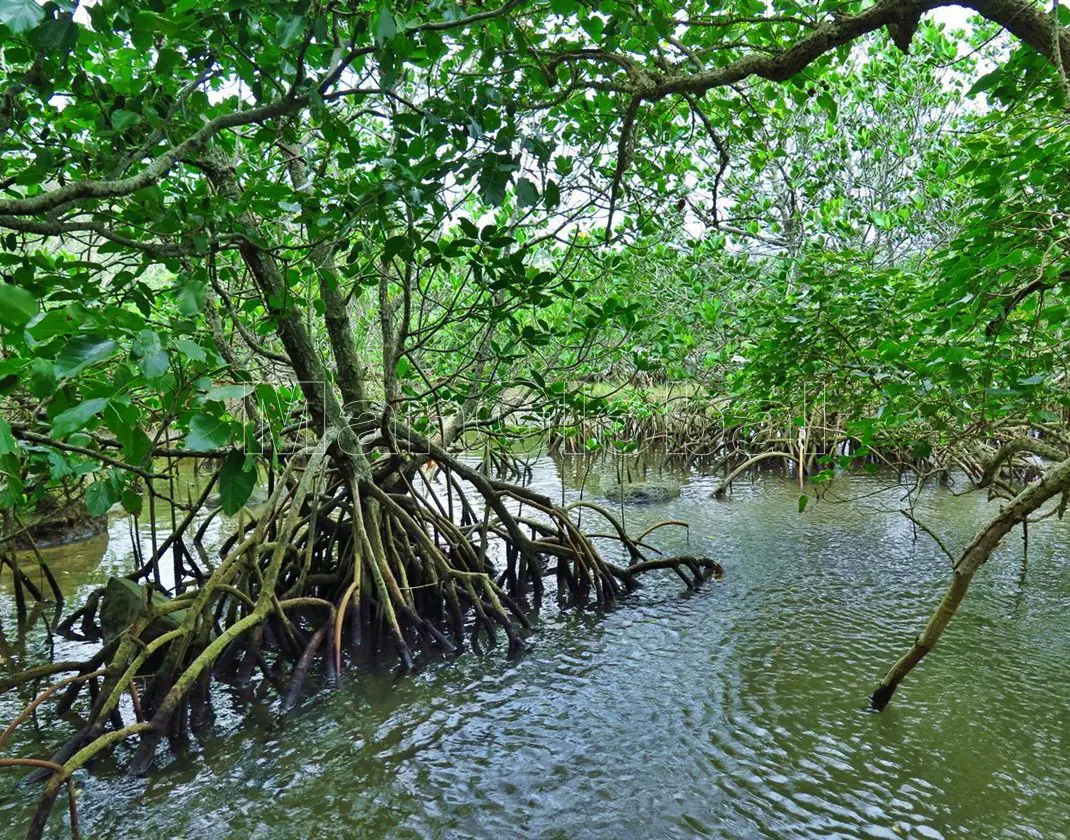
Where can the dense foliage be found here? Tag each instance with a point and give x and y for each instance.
(352, 236)
(906, 241)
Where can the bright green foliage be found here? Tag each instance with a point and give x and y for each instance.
(506, 201)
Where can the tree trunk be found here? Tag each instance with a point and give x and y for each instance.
(1056, 481)
(323, 405)
(350, 370)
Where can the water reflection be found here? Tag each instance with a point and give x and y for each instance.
(736, 711)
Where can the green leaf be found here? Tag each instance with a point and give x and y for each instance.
(124, 421)
(492, 184)
(988, 80)
(99, 497)
(552, 195)
(150, 355)
(53, 323)
(42, 378)
(17, 306)
(122, 119)
(191, 295)
(132, 502)
(58, 34)
(829, 103)
(154, 365)
(433, 45)
(190, 349)
(136, 444)
(207, 432)
(527, 194)
(396, 245)
(229, 392)
(404, 367)
(7, 440)
(75, 418)
(20, 15)
(385, 28)
(237, 478)
(80, 352)
(803, 502)
(289, 29)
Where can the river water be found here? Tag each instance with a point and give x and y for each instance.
(736, 711)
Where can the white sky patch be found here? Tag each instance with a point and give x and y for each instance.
(954, 16)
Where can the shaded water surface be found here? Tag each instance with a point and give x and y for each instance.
(733, 712)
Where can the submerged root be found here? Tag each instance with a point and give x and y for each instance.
(336, 567)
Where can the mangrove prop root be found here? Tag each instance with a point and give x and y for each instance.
(407, 571)
(56, 769)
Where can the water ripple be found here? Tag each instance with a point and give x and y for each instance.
(736, 712)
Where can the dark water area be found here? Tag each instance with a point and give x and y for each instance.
(735, 711)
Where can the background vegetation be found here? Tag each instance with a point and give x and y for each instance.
(326, 242)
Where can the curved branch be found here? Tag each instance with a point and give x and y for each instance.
(1014, 447)
(625, 149)
(972, 558)
(159, 168)
(1018, 17)
(722, 488)
(155, 249)
(32, 437)
(931, 533)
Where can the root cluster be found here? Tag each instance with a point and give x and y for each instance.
(334, 569)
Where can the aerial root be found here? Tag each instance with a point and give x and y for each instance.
(337, 568)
